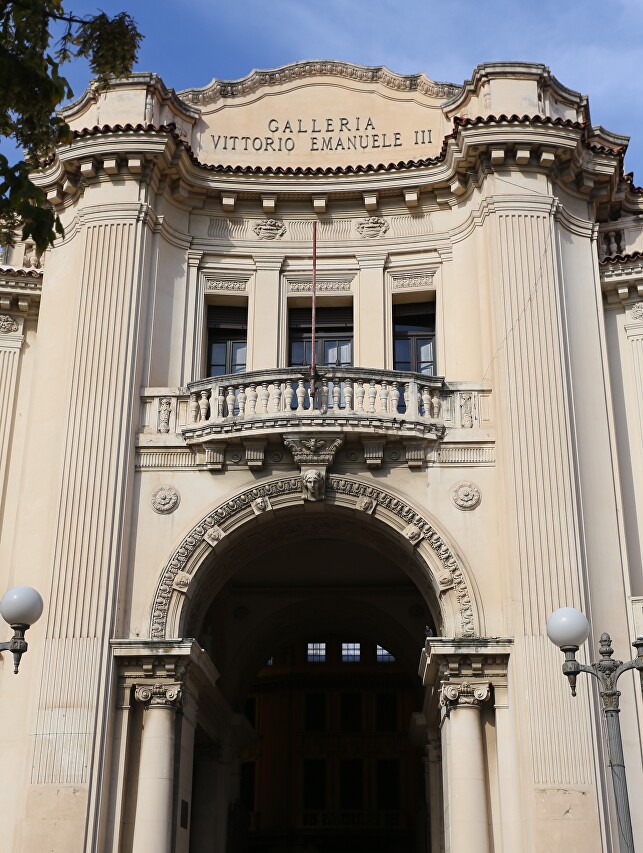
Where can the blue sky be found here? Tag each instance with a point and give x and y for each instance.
(593, 46)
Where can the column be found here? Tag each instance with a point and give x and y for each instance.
(434, 798)
(11, 338)
(467, 815)
(368, 318)
(153, 822)
(263, 315)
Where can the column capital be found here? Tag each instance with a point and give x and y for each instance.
(464, 694)
(159, 695)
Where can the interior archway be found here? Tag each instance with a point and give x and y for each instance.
(350, 777)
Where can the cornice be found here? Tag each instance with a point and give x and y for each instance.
(622, 278)
(218, 90)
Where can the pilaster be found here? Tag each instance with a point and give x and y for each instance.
(370, 304)
(263, 313)
(11, 340)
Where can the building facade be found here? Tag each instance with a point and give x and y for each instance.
(287, 610)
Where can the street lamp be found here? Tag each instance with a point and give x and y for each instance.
(568, 628)
(20, 607)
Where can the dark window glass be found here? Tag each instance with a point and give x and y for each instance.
(414, 337)
(227, 339)
(251, 710)
(314, 793)
(315, 712)
(247, 785)
(333, 337)
(351, 712)
(386, 712)
(351, 784)
(388, 784)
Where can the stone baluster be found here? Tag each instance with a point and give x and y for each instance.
(301, 395)
(372, 395)
(613, 245)
(221, 402)
(337, 393)
(289, 393)
(436, 405)
(193, 407)
(153, 820)
(230, 401)
(276, 397)
(323, 405)
(395, 397)
(264, 396)
(204, 405)
(252, 400)
(348, 395)
(407, 396)
(384, 394)
(425, 395)
(241, 401)
(359, 396)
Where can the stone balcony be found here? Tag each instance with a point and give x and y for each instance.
(359, 405)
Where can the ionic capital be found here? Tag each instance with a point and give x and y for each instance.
(464, 694)
(161, 695)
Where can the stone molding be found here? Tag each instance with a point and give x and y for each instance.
(217, 90)
(446, 574)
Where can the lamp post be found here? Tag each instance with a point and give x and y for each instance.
(20, 607)
(568, 628)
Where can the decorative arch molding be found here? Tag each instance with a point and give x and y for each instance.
(445, 574)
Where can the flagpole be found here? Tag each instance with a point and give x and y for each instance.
(313, 319)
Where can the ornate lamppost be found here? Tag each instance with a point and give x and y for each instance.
(568, 628)
(20, 607)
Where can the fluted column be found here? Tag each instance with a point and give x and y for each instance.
(467, 814)
(153, 822)
(11, 338)
(433, 793)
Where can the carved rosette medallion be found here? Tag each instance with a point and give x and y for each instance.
(464, 694)
(7, 324)
(466, 496)
(165, 499)
(159, 695)
(637, 311)
(270, 229)
(372, 227)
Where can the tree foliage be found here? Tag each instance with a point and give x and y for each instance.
(31, 87)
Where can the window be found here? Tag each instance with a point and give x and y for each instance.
(350, 652)
(227, 339)
(388, 784)
(351, 712)
(314, 783)
(383, 656)
(414, 337)
(333, 337)
(351, 784)
(316, 652)
(386, 712)
(315, 712)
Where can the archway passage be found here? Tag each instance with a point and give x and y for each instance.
(316, 633)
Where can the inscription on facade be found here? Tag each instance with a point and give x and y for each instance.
(328, 133)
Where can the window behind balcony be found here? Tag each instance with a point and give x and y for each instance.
(333, 337)
(414, 337)
(227, 339)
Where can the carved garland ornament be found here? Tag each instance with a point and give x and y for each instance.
(7, 324)
(270, 229)
(364, 496)
(637, 311)
(372, 227)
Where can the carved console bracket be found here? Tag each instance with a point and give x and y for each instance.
(313, 450)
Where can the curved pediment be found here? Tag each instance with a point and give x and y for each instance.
(321, 113)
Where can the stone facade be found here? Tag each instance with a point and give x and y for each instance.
(183, 516)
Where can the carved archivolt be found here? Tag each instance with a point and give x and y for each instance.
(447, 575)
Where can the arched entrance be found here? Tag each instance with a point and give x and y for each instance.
(316, 637)
(274, 572)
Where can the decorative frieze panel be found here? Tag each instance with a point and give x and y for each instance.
(214, 284)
